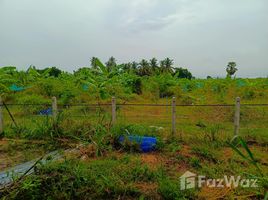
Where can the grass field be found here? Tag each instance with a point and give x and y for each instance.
(103, 169)
(99, 166)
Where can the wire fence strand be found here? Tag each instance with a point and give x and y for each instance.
(135, 104)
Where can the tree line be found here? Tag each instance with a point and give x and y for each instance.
(145, 67)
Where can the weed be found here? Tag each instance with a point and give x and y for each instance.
(210, 131)
(173, 147)
(195, 162)
(142, 173)
(204, 153)
(237, 142)
(73, 180)
(170, 189)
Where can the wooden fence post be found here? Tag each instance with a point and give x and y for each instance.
(54, 108)
(1, 117)
(173, 130)
(237, 116)
(113, 110)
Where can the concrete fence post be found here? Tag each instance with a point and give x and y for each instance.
(173, 130)
(1, 117)
(237, 116)
(113, 110)
(54, 108)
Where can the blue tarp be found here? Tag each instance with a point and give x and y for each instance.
(46, 112)
(16, 88)
(85, 87)
(199, 85)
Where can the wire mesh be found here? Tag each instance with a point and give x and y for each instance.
(191, 120)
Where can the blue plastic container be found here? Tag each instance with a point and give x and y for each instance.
(146, 144)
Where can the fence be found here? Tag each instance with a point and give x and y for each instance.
(118, 112)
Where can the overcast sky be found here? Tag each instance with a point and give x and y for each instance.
(201, 35)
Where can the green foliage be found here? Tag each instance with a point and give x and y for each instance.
(195, 162)
(238, 141)
(182, 73)
(134, 129)
(133, 82)
(219, 87)
(47, 72)
(173, 147)
(36, 99)
(236, 144)
(188, 99)
(141, 172)
(231, 69)
(166, 65)
(211, 131)
(205, 152)
(111, 63)
(144, 68)
(165, 81)
(249, 93)
(150, 79)
(54, 87)
(100, 179)
(170, 189)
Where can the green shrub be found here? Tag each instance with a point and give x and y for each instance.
(195, 162)
(32, 99)
(249, 94)
(188, 99)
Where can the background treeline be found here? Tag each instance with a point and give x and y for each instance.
(148, 80)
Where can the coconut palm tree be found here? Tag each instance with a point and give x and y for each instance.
(93, 61)
(166, 65)
(111, 63)
(144, 68)
(154, 65)
(126, 67)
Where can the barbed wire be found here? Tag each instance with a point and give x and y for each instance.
(135, 104)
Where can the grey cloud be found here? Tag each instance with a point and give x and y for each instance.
(202, 35)
(140, 16)
(151, 24)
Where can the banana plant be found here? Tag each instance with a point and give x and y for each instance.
(6, 79)
(97, 78)
(104, 71)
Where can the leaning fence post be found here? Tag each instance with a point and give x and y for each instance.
(1, 117)
(173, 131)
(113, 110)
(54, 108)
(237, 116)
